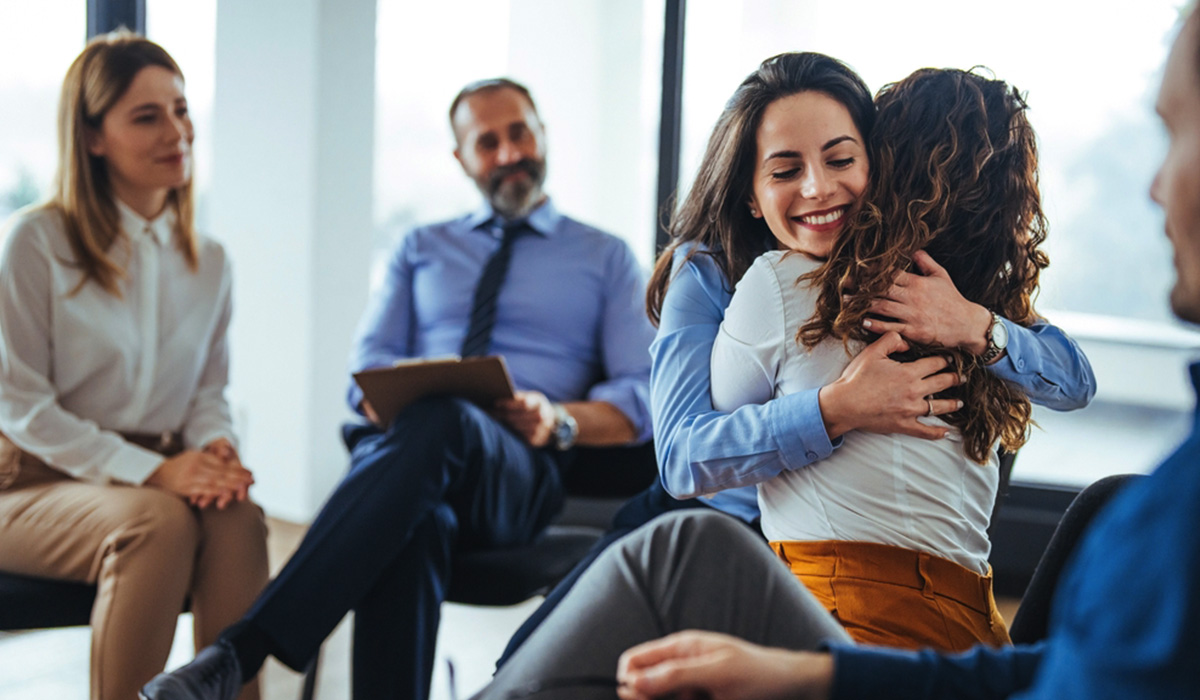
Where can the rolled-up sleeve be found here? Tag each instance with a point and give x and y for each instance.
(625, 342)
(383, 334)
(1047, 365)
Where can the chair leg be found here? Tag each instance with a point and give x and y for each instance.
(310, 677)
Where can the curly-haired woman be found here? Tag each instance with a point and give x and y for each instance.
(890, 531)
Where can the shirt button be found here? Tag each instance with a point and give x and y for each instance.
(1020, 364)
(811, 455)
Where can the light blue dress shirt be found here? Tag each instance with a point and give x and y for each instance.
(570, 319)
(702, 451)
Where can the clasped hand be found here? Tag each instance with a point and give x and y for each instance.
(927, 308)
(212, 476)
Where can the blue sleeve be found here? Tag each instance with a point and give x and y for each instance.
(867, 673)
(625, 341)
(701, 450)
(1047, 365)
(384, 331)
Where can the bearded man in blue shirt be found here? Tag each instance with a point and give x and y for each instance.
(562, 303)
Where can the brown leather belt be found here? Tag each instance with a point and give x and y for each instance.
(167, 443)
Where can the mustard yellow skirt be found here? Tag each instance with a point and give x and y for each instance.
(898, 597)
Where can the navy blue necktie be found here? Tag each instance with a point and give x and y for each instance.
(483, 312)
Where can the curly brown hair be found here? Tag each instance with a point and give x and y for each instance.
(954, 173)
(714, 214)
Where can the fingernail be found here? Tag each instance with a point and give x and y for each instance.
(958, 404)
(866, 323)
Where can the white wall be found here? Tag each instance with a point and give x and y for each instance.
(291, 199)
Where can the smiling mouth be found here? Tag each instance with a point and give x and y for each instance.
(830, 216)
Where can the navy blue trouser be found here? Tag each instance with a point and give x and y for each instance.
(634, 513)
(444, 475)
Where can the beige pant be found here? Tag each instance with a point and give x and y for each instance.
(146, 550)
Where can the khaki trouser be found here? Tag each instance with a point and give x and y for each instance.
(896, 597)
(145, 549)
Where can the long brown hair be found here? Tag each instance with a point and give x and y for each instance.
(954, 173)
(715, 213)
(97, 78)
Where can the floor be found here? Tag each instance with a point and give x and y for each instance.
(53, 664)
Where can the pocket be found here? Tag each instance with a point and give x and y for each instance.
(10, 462)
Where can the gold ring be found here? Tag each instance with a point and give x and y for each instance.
(930, 402)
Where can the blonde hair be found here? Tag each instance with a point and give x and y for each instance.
(97, 78)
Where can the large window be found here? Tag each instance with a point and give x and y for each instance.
(34, 56)
(1090, 78)
(593, 68)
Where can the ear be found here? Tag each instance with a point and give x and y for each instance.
(754, 210)
(459, 157)
(93, 140)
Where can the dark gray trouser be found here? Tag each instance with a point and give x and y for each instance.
(687, 570)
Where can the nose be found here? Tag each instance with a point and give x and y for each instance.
(508, 153)
(816, 184)
(1156, 186)
(178, 129)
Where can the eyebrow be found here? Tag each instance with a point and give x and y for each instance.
(828, 145)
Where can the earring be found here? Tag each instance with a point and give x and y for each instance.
(753, 211)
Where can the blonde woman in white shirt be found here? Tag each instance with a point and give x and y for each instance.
(889, 532)
(118, 464)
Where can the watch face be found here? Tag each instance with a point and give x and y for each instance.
(1000, 334)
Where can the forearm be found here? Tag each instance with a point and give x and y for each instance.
(1048, 366)
(861, 673)
(600, 423)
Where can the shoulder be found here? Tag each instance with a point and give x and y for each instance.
(210, 250)
(698, 261)
(591, 236)
(33, 230)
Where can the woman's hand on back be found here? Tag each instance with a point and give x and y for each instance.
(929, 309)
(880, 395)
(203, 477)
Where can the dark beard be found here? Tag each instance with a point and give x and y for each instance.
(515, 199)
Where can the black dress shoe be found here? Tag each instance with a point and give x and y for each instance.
(213, 675)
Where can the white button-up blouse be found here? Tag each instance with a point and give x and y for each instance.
(77, 367)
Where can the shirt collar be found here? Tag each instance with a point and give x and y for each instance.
(162, 227)
(543, 220)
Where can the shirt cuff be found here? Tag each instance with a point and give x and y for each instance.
(131, 464)
(862, 672)
(1018, 360)
(631, 399)
(795, 421)
(200, 440)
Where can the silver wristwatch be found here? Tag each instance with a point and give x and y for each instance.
(997, 340)
(566, 429)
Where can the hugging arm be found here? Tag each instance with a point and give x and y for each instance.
(1040, 359)
(702, 450)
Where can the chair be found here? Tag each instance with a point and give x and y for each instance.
(1033, 615)
(597, 483)
(28, 602)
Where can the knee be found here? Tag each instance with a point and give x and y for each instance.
(157, 520)
(240, 526)
(701, 538)
(440, 418)
(423, 433)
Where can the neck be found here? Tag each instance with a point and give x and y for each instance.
(522, 212)
(148, 203)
